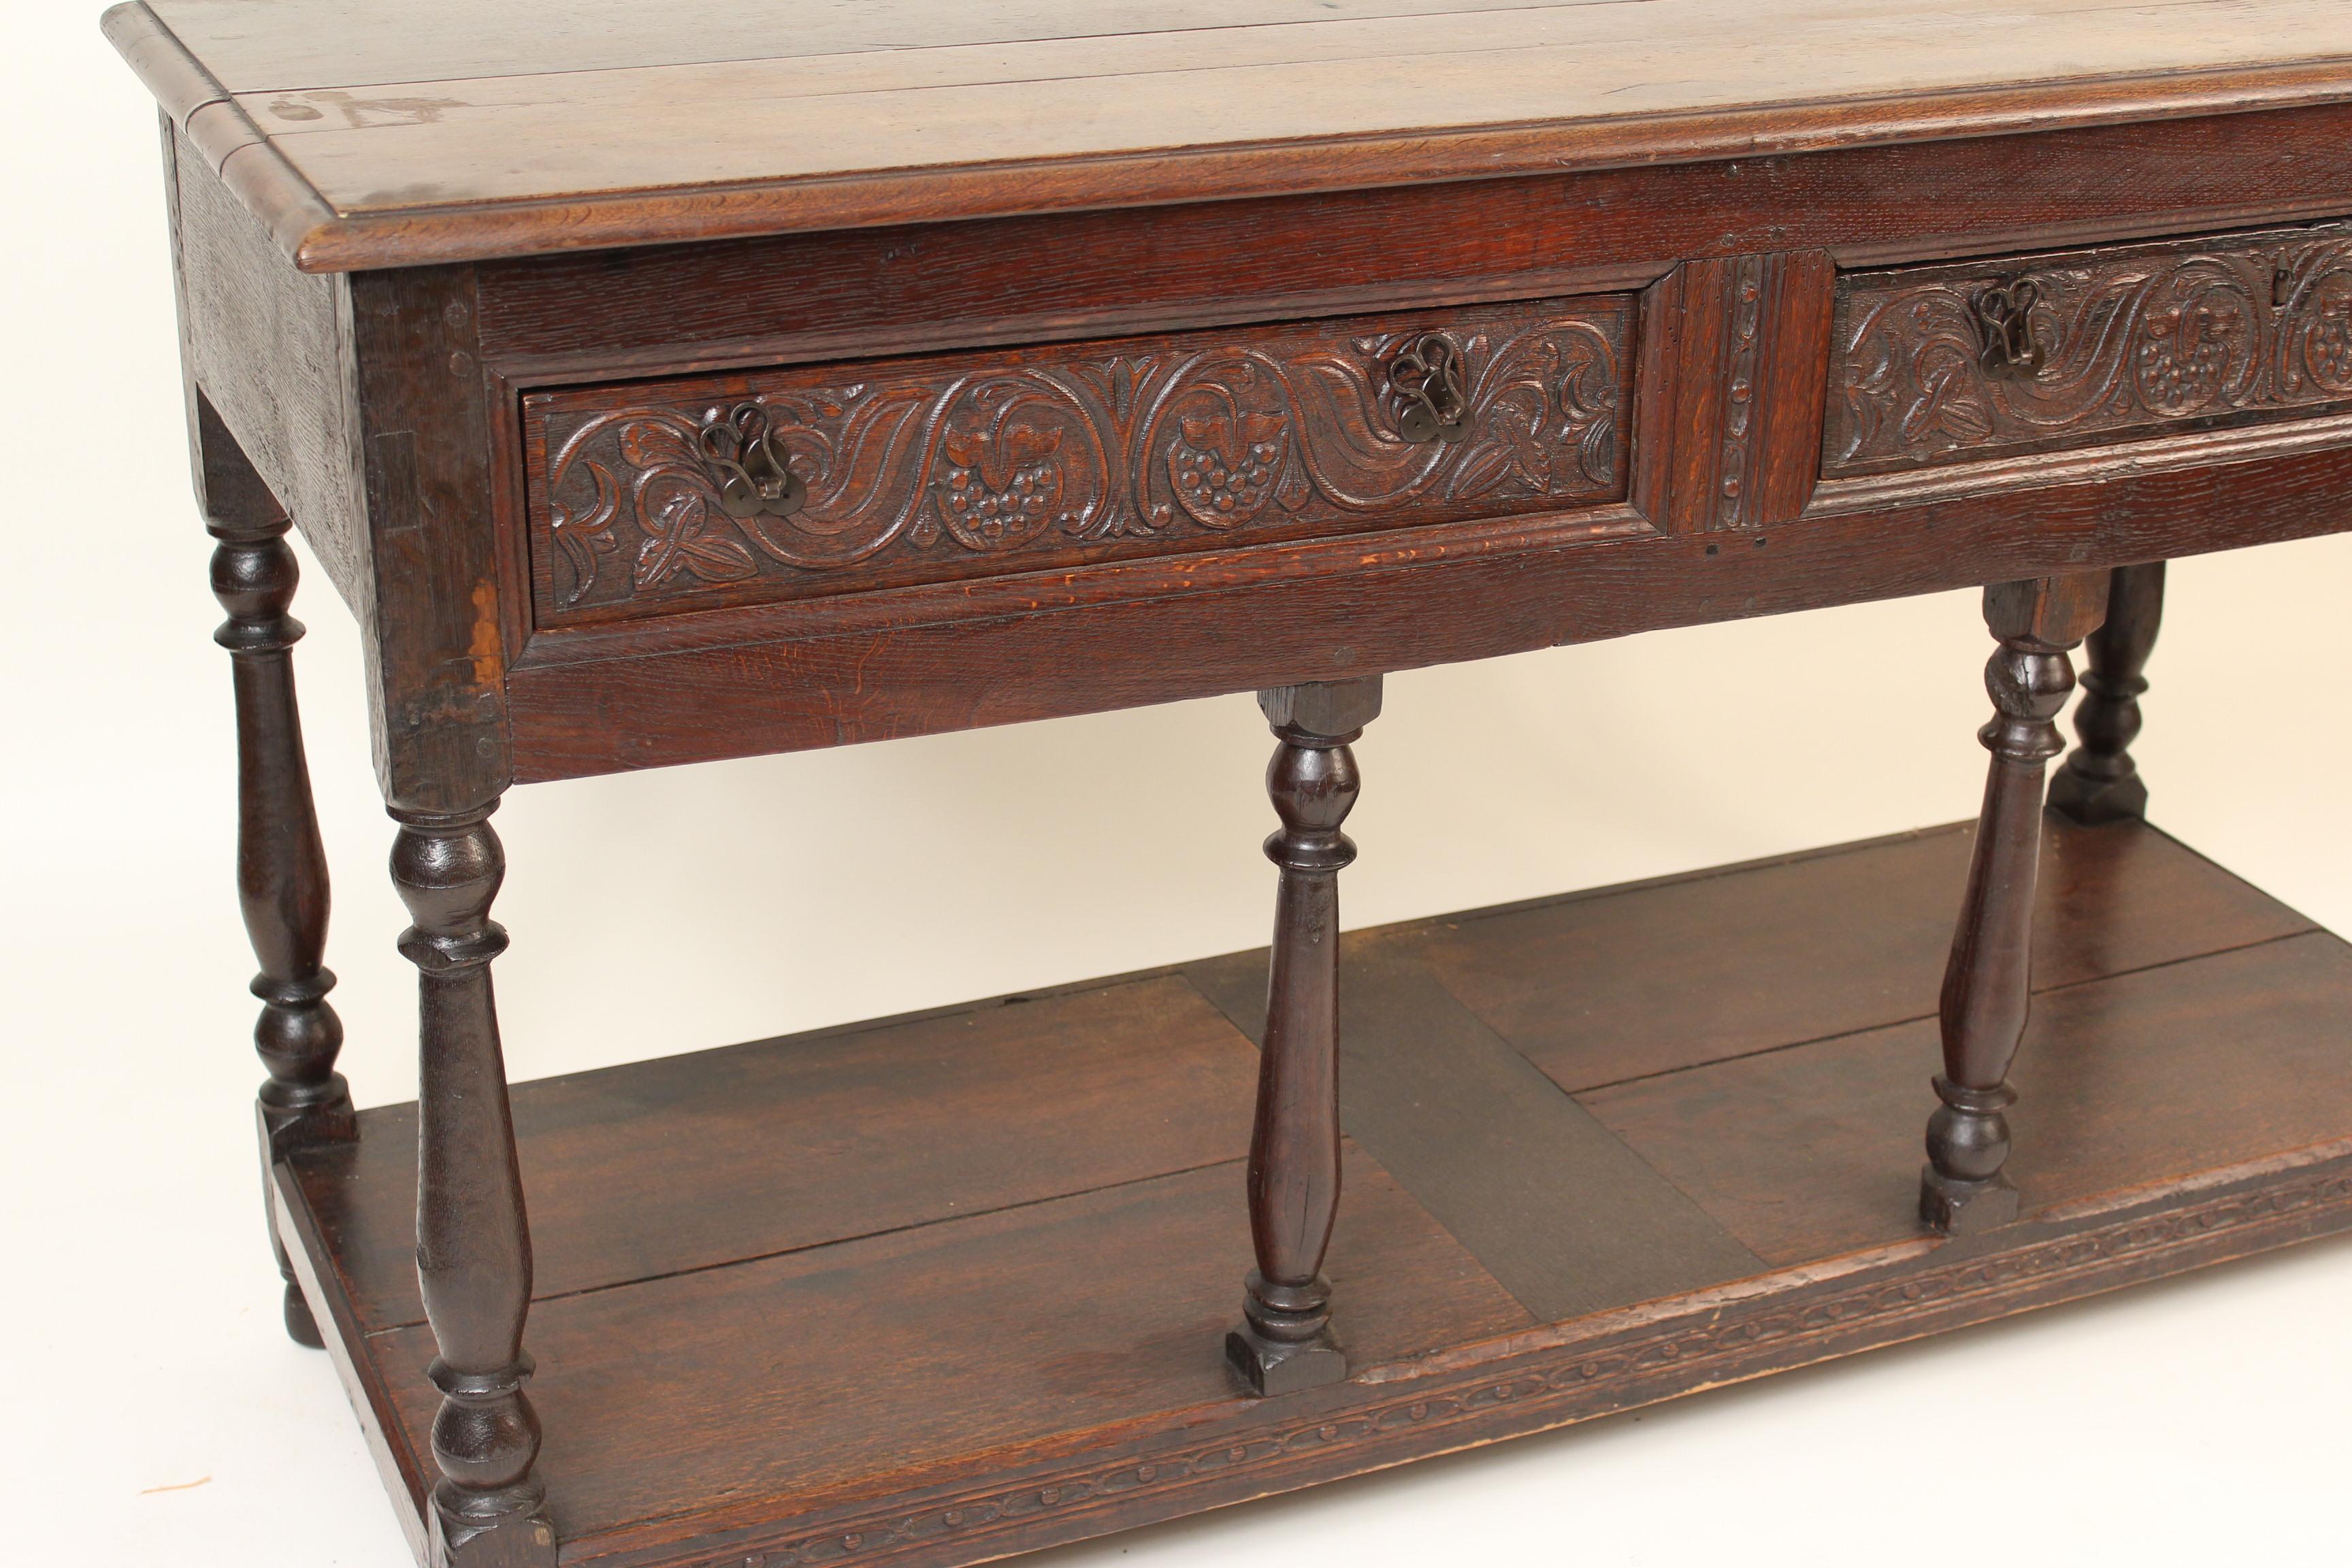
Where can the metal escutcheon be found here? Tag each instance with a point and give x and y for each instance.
(753, 473)
(1428, 392)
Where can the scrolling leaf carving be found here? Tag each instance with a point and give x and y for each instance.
(945, 467)
(1950, 364)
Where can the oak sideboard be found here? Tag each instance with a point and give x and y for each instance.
(664, 384)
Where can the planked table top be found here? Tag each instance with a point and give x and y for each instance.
(385, 132)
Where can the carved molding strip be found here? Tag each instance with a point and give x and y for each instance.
(951, 465)
(1581, 1381)
(1738, 417)
(1733, 353)
(1993, 359)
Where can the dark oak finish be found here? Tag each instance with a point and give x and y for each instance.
(2115, 1082)
(1284, 1344)
(281, 865)
(1047, 648)
(473, 1240)
(1831, 943)
(2107, 343)
(1988, 987)
(913, 365)
(943, 467)
(2100, 782)
(730, 125)
(1150, 1080)
(1735, 351)
(1563, 1216)
(844, 667)
(2185, 1101)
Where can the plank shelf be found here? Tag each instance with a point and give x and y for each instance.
(934, 1290)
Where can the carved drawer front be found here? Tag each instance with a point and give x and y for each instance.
(779, 484)
(1943, 365)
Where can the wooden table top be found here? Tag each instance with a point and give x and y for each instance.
(369, 133)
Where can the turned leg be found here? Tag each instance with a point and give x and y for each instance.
(281, 868)
(1285, 1341)
(1988, 985)
(473, 1241)
(2100, 783)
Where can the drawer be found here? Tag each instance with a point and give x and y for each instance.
(2034, 353)
(652, 498)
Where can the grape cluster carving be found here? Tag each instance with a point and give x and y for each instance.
(1042, 458)
(2124, 343)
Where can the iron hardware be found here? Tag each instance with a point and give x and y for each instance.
(2005, 319)
(1428, 395)
(748, 466)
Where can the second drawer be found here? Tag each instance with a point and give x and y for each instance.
(2036, 353)
(758, 487)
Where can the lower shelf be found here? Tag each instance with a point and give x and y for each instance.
(942, 1288)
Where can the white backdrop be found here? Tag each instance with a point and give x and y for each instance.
(2190, 1423)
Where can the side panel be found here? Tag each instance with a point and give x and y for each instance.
(267, 345)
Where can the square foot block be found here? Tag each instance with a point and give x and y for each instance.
(2091, 801)
(513, 1541)
(1268, 1367)
(1965, 1208)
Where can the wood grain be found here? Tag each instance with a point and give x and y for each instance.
(797, 1143)
(272, 45)
(426, 167)
(1560, 1212)
(946, 466)
(737, 688)
(1827, 944)
(2127, 341)
(2265, 1021)
(420, 452)
(1735, 353)
(933, 1395)
(265, 345)
(899, 1353)
(924, 288)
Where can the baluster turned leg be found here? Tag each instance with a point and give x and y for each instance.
(1987, 984)
(473, 1239)
(1285, 1341)
(281, 867)
(2100, 783)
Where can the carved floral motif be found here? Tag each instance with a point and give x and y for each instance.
(2099, 344)
(924, 469)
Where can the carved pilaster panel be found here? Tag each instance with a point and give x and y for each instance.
(1734, 352)
(953, 465)
(1989, 359)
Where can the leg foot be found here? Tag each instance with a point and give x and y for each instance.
(1284, 1344)
(1965, 1208)
(521, 1537)
(1963, 1190)
(503, 1524)
(301, 1327)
